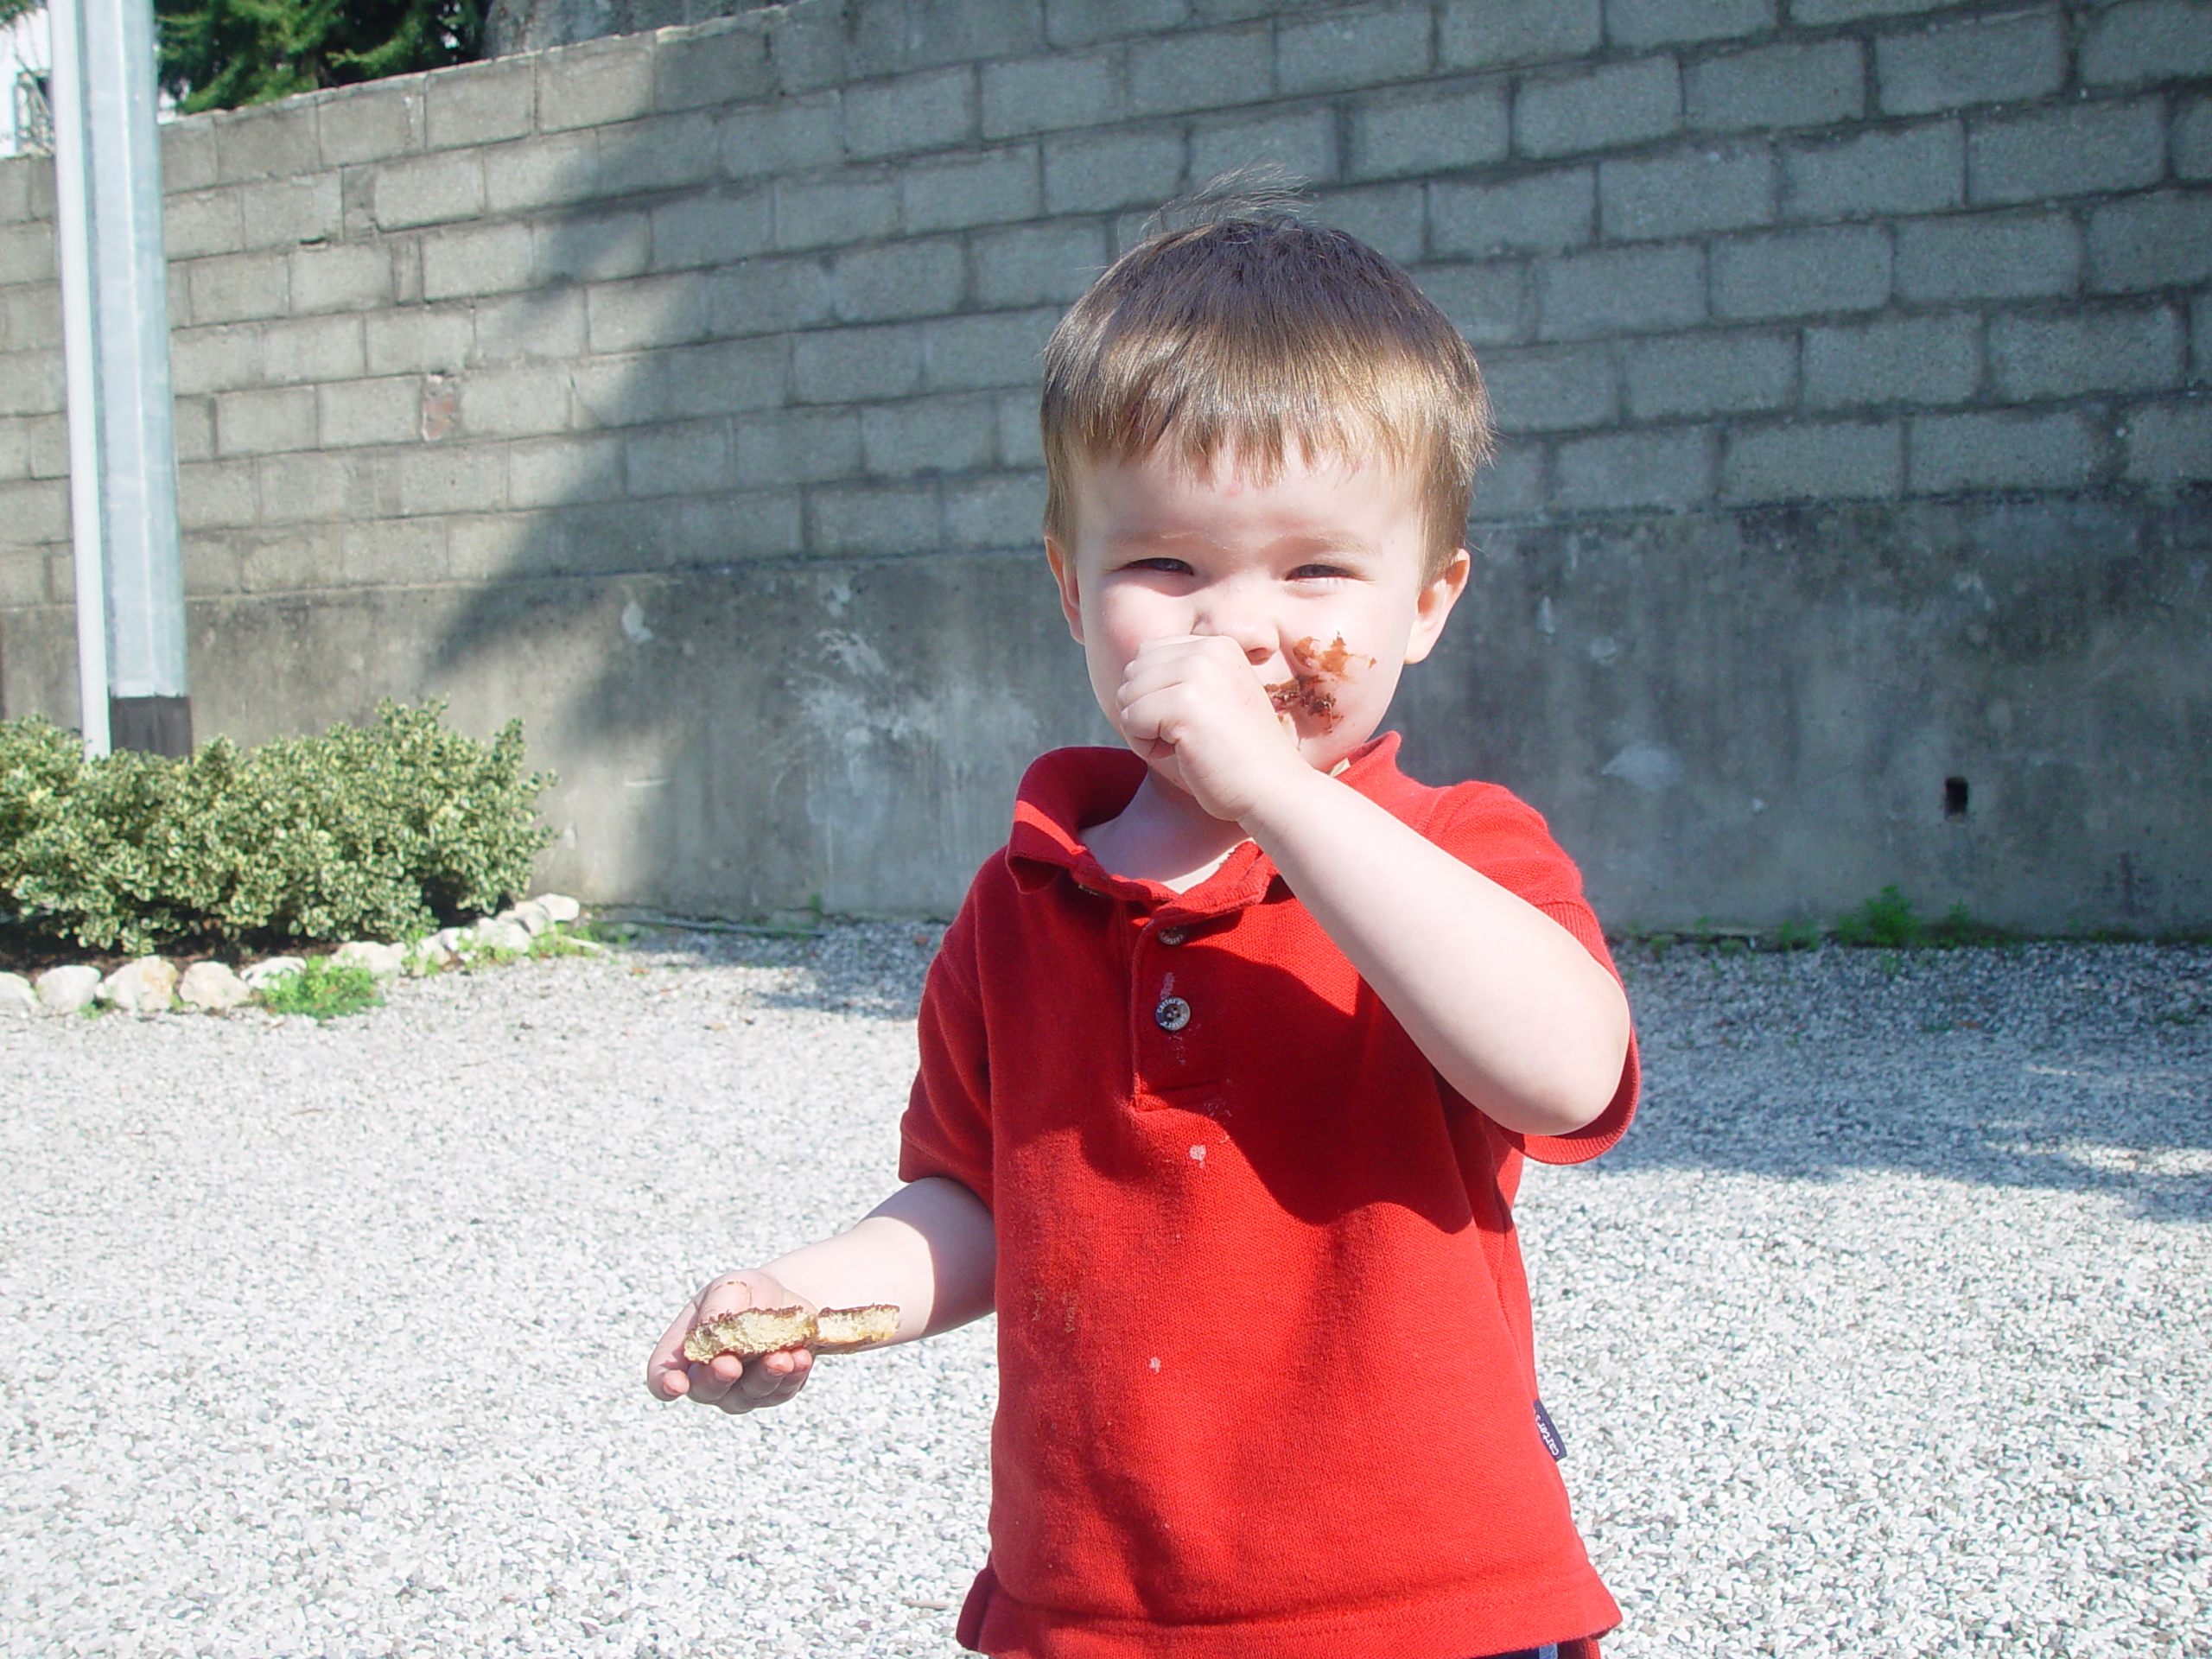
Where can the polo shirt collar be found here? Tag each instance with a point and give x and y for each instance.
(1067, 790)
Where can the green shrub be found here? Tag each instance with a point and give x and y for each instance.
(324, 988)
(1886, 919)
(376, 832)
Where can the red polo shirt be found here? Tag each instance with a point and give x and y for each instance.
(1267, 1386)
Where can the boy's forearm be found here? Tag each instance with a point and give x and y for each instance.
(1506, 1004)
(928, 1250)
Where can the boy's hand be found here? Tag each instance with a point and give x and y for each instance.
(726, 1381)
(1195, 707)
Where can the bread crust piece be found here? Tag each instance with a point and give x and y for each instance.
(752, 1332)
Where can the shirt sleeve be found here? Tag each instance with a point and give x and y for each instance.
(946, 1130)
(1505, 838)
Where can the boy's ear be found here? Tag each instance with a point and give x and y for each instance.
(1062, 560)
(1437, 598)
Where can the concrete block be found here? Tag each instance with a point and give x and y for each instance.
(1900, 170)
(300, 349)
(499, 404)
(2192, 139)
(264, 421)
(1303, 142)
(1489, 33)
(317, 487)
(645, 311)
(890, 36)
(212, 495)
(481, 103)
(2168, 442)
(26, 253)
(1814, 460)
(560, 471)
(30, 315)
(424, 339)
(1712, 372)
(35, 511)
(960, 191)
(689, 459)
(761, 297)
(451, 478)
(1638, 24)
(1988, 257)
(1621, 291)
(268, 141)
(1686, 192)
(1049, 94)
(2078, 351)
(850, 366)
(716, 229)
(1616, 103)
(798, 446)
(757, 524)
(1392, 219)
(1950, 453)
(437, 189)
(188, 153)
(929, 434)
(806, 48)
(1515, 483)
(906, 278)
(1037, 264)
(1553, 389)
(2078, 149)
(370, 123)
(588, 247)
(1801, 84)
(787, 135)
(2153, 241)
(1460, 125)
(2200, 333)
(281, 212)
(1802, 273)
(1004, 348)
(1083, 22)
(49, 437)
(853, 208)
(713, 68)
(1020, 441)
(233, 288)
(288, 561)
(225, 358)
(30, 383)
(595, 84)
(209, 563)
(194, 223)
(728, 376)
(1542, 212)
(1491, 304)
(1817, 13)
(406, 554)
(1931, 359)
(1006, 509)
(358, 412)
(874, 519)
(1204, 69)
(911, 114)
(2149, 40)
(552, 171)
(1982, 60)
(1663, 467)
(347, 277)
(663, 152)
(478, 259)
(1340, 49)
(15, 175)
(1117, 169)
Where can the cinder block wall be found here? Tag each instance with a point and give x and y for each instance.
(676, 392)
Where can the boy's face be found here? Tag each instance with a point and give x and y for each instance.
(1317, 576)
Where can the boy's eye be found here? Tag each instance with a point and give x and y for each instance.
(1318, 572)
(1170, 567)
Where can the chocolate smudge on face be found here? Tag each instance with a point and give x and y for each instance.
(1314, 670)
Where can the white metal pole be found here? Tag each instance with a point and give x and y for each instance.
(73, 234)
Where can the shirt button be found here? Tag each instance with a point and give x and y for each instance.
(1173, 935)
(1172, 1013)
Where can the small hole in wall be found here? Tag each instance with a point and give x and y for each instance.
(1954, 797)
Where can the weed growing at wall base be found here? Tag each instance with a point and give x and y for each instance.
(323, 990)
(1888, 920)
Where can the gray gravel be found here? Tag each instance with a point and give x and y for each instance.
(1883, 1332)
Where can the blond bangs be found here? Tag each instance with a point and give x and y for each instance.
(1264, 338)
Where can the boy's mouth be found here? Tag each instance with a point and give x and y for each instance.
(1315, 668)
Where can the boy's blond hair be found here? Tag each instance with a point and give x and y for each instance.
(1236, 326)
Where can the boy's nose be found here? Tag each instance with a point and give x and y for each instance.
(1253, 636)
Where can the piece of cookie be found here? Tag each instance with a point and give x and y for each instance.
(750, 1334)
(849, 1329)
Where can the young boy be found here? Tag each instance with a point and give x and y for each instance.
(1230, 1058)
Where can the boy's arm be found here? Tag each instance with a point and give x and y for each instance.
(928, 1250)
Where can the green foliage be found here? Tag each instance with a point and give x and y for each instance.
(377, 831)
(1889, 920)
(1795, 935)
(11, 9)
(324, 988)
(221, 54)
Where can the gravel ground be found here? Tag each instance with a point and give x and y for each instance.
(1882, 1333)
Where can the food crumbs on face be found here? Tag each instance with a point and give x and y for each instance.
(1307, 691)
